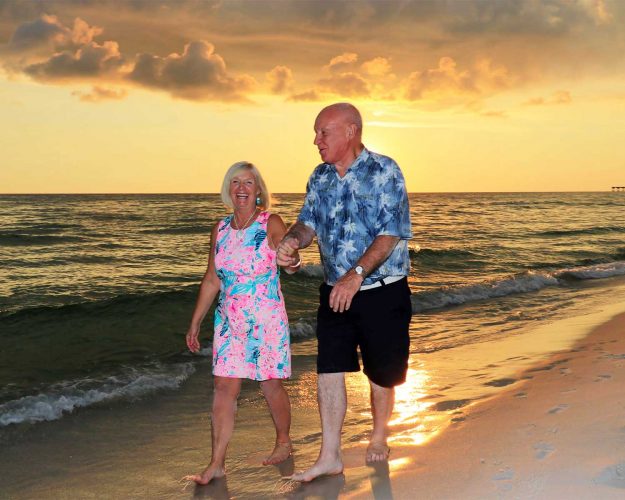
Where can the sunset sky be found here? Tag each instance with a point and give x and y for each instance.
(151, 96)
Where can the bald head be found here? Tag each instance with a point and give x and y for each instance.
(347, 112)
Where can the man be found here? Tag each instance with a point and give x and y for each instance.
(357, 207)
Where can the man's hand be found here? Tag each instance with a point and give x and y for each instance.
(287, 254)
(344, 290)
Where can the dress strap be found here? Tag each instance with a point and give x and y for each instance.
(263, 218)
(224, 223)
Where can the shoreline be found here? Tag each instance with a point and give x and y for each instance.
(506, 444)
(556, 433)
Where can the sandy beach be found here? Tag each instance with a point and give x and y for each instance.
(556, 433)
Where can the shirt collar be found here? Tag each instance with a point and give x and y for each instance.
(360, 160)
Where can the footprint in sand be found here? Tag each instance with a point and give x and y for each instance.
(558, 409)
(565, 371)
(504, 474)
(603, 377)
(612, 476)
(520, 395)
(543, 450)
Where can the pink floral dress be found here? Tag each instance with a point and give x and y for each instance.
(251, 334)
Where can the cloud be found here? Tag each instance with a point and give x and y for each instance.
(345, 78)
(341, 63)
(48, 31)
(43, 31)
(280, 79)
(198, 73)
(99, 94)
(558, 97)
(307, 96)
(447, 80)
(377, 67)
(65, 54)
(91, 60)
(348, 84)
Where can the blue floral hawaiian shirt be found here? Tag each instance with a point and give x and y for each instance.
(348, 213)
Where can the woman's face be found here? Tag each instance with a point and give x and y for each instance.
(244, 190)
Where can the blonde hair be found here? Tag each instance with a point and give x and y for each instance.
(265, 197)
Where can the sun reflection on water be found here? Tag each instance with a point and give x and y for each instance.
(413, 422)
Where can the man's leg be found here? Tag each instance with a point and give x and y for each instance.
(382, 402)
(332, 398)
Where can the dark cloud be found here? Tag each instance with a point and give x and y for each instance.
(73, 54)
(197, 73)
(551, 18)
(43, 31)
(91, 60)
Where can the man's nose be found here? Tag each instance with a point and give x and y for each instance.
(317, 139)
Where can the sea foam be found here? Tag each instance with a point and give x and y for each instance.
(526, 282)
(65, 397)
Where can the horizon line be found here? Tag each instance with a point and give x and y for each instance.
(283, 192)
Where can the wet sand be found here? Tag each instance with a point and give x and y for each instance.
(558, 432)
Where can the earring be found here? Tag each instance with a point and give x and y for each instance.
(258, 200)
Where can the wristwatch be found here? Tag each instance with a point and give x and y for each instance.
(360, 271)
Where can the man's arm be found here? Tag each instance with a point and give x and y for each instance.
(348, 285)
(298, 236)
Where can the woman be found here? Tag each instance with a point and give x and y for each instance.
(251, 334)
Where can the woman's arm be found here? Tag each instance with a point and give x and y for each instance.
(276, 230)
(209, 288)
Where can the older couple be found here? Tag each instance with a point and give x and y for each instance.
(357, 206)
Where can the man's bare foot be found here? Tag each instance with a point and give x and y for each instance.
(377, 452)
(321, 468)
(280, 453)
(211, 472)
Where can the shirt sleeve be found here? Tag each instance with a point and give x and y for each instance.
(308, 214)
(394, 208)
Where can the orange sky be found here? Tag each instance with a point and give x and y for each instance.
(156, 96)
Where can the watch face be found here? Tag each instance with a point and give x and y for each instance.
(358, 269)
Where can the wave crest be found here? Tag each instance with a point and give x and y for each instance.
(65, 397)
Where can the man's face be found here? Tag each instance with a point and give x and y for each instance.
(332, 136)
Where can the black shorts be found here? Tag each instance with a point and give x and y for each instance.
(377, 322)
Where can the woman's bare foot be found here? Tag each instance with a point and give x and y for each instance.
(211, 472)
(377, 452)
(321, 468)
(280, 453)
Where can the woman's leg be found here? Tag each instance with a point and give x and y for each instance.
(222, 420)
(280, 409)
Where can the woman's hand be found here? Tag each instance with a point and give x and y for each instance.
(192, 339)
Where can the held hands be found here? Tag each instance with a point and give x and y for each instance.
(192, 342)
(287, 253)
(344, 290)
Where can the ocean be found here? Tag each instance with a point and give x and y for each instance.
(96, 293)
